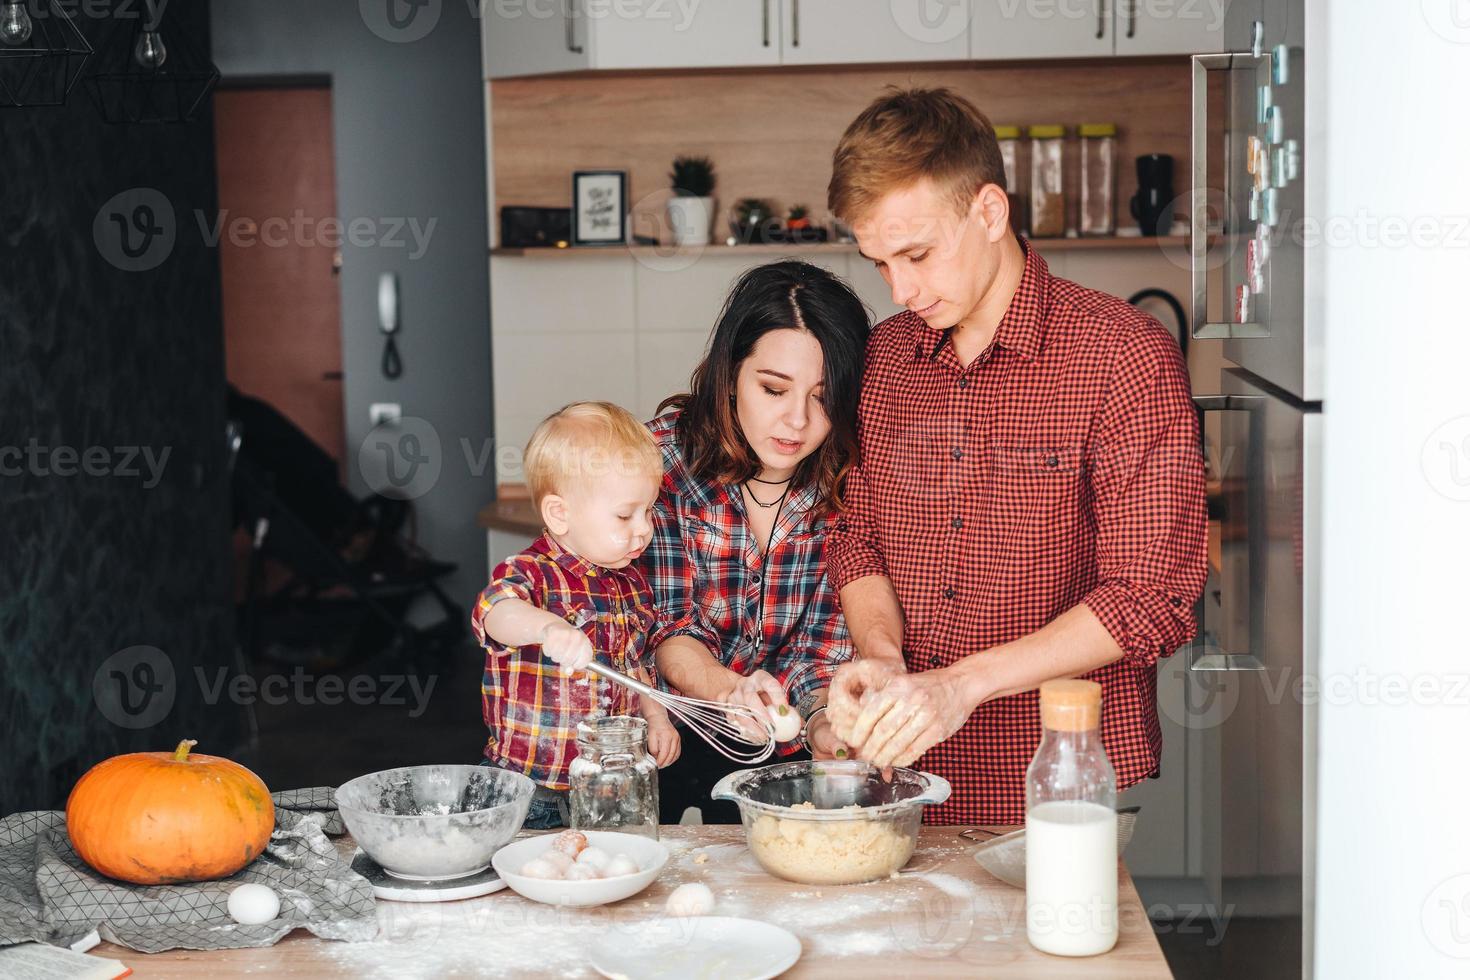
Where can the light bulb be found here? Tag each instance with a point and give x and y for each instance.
(150, 51)
(15, 24)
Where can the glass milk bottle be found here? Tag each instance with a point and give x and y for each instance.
(1071, 827)
(614, 779)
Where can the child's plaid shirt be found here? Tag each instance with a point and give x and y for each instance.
(530, 708)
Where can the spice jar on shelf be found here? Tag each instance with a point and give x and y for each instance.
(1099, 178)
(1009, 140)
(1048, 184)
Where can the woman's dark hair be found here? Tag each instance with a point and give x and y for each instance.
(777, 296)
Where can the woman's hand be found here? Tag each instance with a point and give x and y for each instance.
(823, 741)
(908, 715)
(758, 692)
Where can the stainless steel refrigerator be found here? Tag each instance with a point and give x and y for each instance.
(1254, 665)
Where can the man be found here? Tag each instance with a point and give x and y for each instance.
(1030, 500)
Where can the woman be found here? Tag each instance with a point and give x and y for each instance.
(754, 462)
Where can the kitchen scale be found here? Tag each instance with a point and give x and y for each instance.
(389, 886)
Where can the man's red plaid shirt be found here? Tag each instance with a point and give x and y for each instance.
(1061, 466)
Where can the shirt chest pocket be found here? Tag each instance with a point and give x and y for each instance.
(1036, 492)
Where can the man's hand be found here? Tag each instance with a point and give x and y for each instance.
(566, 646)
(907, 716)
(854, 683)
(663, 742)
(748, 691)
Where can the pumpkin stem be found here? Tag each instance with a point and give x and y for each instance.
(181, 754)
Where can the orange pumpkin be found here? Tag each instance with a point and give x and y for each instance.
(159, 818)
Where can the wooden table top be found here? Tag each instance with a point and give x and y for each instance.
(944, 916)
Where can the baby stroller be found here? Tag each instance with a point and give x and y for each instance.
(330, 579)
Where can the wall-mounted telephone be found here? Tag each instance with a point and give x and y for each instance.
(388, 322)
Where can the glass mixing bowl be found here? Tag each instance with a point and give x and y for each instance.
(831, 823)
(434, 822)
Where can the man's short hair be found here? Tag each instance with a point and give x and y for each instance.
(905, 136)
(585, 441)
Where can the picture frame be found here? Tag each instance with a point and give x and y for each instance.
(599, 207)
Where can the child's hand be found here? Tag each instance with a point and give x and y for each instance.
(663, 742)
(566, 646)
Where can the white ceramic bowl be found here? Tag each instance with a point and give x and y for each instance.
(650, 855)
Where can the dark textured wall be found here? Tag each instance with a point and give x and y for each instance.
(99, 552)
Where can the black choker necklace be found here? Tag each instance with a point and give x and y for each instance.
(772, 483)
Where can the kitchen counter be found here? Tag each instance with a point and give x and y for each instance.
(943, 916)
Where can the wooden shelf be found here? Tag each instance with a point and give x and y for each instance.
(1127, 243)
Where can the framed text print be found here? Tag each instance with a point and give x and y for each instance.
(599, 207)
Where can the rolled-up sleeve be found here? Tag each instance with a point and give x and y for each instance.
(670, 573)
(1148, 489)
(853, 548)
(514, 578)
(819, 645)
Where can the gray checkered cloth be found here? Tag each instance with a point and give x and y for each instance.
(48, 894)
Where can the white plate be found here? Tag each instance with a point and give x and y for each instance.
(650, 855)
(712, 948)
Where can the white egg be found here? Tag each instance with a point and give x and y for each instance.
(594, 856)
(542, 868)
(583, 872)
(786, 721)
(253, 905)
(621, 865)
(694, 898)
(560, 859)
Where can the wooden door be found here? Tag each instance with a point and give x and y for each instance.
(279, 241)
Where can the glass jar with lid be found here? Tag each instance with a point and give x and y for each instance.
(1008, 138)
(614, 779)
(1099, 178)
(1048, 182)
(1071, 827)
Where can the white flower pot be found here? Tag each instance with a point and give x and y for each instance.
(690, 218)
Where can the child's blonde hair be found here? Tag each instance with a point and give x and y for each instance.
(587, 440)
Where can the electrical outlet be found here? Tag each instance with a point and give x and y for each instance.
(380, 412)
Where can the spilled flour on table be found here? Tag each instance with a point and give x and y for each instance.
(920, 912)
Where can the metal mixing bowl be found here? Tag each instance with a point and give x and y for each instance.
(434, 822)
(857, 828)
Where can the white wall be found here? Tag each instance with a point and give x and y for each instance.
(629, 327)
(1393, 889)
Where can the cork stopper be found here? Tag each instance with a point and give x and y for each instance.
(1071, 705)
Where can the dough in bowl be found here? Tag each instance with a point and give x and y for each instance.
(829, 852)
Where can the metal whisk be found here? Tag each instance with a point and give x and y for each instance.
(710, 720)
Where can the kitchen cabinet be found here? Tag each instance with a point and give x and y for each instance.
(665, 34)
(532, 38)
(1010, 29)
(1168, 27)
(833, 32)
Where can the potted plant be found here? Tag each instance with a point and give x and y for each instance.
(692, 208)
(755, 222)
(799, 228)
